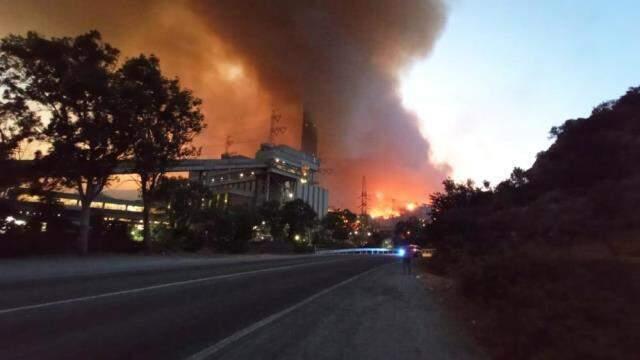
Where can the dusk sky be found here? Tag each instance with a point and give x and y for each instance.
(503, 72)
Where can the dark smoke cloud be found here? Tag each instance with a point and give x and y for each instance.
(340, 58)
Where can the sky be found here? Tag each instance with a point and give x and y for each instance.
(483, 81)
(502, 73)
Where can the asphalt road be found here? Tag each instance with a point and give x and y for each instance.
(159, 314)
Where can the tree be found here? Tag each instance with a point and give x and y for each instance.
(411, 230)
(299, 216)
(72, 80)
(18, 123)
(163, 119)
(340, 223)
(270, 212)
(181, 201)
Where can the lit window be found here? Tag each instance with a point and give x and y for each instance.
(111, 206)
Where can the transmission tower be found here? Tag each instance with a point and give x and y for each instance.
(275, 129)
(363, 197)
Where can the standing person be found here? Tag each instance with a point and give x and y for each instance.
(406, 261)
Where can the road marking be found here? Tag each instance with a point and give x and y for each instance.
(155, 287)
(212, 350)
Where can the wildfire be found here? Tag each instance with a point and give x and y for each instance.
(384, 213)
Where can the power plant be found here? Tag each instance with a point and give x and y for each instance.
(277, 172)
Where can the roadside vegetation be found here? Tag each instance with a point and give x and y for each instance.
(548, 261)
(88, 110)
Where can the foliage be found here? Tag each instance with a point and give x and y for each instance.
(536, 253)
(411, 231)
(162, 118)
(72, 80)
(180, 201)
(270, 212)
(18, 124)
(590, 150)
(299, 217)
(339, 223)
(97, 114)
(531, 308)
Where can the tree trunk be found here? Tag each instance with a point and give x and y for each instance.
(85, 219)
(146, 230)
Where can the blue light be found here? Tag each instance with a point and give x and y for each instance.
(401, 252)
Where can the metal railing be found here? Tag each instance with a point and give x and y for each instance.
(358, 251)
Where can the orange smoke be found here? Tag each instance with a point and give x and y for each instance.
(339, 58)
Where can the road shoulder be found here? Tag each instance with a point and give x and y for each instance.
(383, 315)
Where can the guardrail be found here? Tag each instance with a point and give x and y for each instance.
(359, 251)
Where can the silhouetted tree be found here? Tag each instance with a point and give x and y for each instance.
(270, 212)
(299, 216)
(340, 223)
(163, 119)
(181, 201)
(18, 123)
(586, 151)
(411, 231)
(72, 80)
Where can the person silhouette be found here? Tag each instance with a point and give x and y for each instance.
(407, 254)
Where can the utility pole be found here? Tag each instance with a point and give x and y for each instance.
(363, 198)
(275, 129)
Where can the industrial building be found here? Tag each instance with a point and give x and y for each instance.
(278, 172)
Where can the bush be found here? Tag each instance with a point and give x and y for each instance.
(548, 309)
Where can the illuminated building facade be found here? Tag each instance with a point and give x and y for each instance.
(278, 172)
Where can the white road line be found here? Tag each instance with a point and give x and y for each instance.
(155, 287)
(213, 349)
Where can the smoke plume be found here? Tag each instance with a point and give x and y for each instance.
(341, 59)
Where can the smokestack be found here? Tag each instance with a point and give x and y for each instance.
(309, 134)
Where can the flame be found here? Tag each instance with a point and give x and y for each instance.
(384, 213)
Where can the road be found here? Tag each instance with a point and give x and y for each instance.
(238, 310)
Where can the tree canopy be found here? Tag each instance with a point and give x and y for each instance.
(71, 80)
(162, 120)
